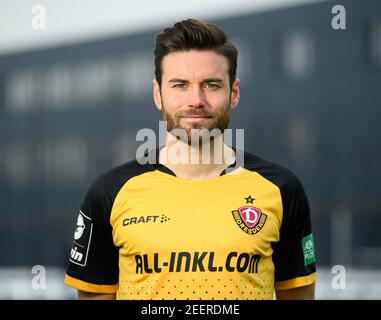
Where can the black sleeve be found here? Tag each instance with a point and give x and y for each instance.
(294, 256)
(93, 262)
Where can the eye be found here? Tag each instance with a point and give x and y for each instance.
(211, 85)
(179, 85)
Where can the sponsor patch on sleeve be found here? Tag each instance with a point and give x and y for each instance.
(308, 250)
(82, 236)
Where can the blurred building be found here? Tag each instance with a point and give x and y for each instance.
(310, 101)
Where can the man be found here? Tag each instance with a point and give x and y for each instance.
(176, 229)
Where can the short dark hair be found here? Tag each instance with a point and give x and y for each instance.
(193, 34)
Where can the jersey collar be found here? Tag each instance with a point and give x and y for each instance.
(160, 167)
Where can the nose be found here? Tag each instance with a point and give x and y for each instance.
(196, 98)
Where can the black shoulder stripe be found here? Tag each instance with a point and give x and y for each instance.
(288, 253)
(113, 180)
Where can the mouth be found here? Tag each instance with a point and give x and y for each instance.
(195, 117)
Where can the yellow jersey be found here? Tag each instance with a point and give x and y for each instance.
(144, 233)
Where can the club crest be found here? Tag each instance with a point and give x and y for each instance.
(250, 219)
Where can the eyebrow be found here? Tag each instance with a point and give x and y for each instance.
(208, 80)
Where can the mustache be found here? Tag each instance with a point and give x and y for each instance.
(196, 112)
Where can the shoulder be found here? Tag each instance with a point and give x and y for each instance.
(110, 182)
(281, 176)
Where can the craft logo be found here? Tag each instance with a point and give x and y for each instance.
(250, 219)
(145, 219)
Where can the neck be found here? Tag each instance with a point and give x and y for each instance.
(196, 162)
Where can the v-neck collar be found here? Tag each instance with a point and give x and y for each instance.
(161, 167)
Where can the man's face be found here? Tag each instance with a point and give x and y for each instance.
(195, 92)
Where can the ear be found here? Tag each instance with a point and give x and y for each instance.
(157, 95)
(234, 98)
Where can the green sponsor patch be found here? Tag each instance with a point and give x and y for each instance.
(308, 250)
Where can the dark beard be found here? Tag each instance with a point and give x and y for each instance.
(218, 120)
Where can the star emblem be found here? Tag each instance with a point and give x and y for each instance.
(249, 199)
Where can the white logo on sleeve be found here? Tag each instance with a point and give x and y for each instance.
(82, 238)
(80, 227)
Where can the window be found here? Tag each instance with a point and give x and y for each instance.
(297, 54)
